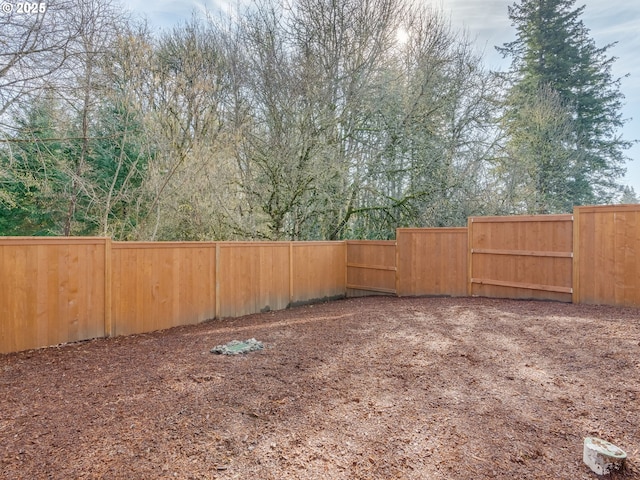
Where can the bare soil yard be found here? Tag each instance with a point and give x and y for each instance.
(367, 388)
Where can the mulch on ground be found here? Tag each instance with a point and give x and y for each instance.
(366, 388)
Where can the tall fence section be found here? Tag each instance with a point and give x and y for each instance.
(521, 257)
(606, 264)
(58, 290)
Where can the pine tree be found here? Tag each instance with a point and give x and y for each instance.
(553, 52)
(629, 195)
(35, 174)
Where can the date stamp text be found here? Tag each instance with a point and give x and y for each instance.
(23, 8)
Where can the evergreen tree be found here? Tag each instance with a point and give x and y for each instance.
(554, 53)
(34, 174)
(629, 195)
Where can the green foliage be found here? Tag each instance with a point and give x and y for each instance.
(118, 163)
(579, 154)
(40, 169)
(35, 175)
(629, 196)
(543, 176)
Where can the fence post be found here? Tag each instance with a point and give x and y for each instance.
(398, 234)
(109, 327)
(346, 268)
(217, 280)
(469, 256)
(291, 286)
(575, 273)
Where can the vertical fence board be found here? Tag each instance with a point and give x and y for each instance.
(630, 264)
(254, 277)
(318, 271)
(108, 284)
(45, 335)
(161, 285)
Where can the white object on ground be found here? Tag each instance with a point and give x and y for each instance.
(601, 456)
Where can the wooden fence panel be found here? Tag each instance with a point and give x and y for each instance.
(607, 255)
(371, 267)
(432, 261)
(52, 291)
(158, 285)
(521, 257)
(318, 271)
(253, 277)
(58, 290)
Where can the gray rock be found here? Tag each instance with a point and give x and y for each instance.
(235, 347)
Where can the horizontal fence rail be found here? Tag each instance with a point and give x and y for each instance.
(67, 289)
(371, 267)
(521, 257)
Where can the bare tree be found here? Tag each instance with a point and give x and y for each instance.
(73, 104)
(84, 83)
(301, 121)
(190, 180)
(34, 45)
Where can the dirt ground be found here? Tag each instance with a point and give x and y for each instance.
(366, 388)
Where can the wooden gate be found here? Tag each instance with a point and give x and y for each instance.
(521, 257)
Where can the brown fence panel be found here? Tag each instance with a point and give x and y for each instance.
(253, 277)
(158, 285)
(521, 257)
(52, 291)
(371, 267)
(607, 255)
(318, 271)
(432, 261)
(57, 290)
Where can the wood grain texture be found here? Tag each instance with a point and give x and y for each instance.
(522, 257)
(66, 289)
(371, 266)
(432, 261)
(161, 285)
(52, 291)
(607, 267)
(318, 270)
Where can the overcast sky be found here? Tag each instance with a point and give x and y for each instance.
(486, 21)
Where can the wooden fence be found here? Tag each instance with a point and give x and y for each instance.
(58, 290)
(521, 257)
(371, 267)
(159, 285)
(606, 266)
(432, 261)
(53, 291)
